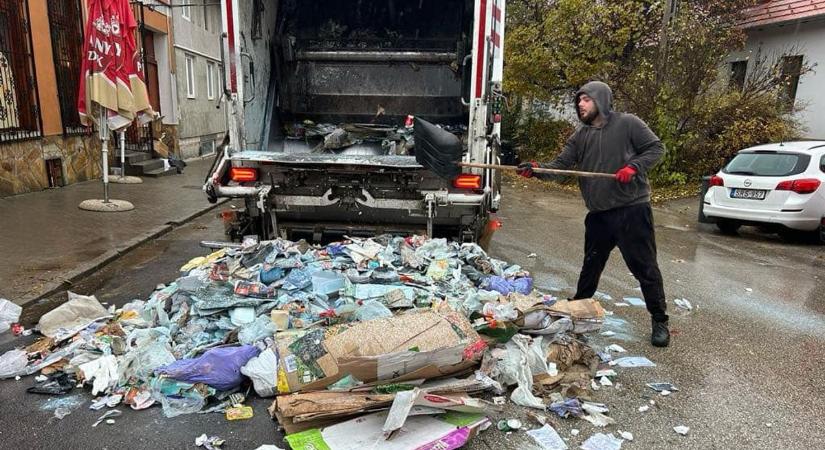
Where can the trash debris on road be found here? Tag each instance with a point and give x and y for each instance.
(239, 413)
(71, 317)
(9, 314)
(660, 387)
(547, 438)
(107, 415)
(683, 304)
(601, 441)
(634, 301)
(13, 363)
(209, 442)
(632, 361)
(681, 429)
(626, 435)
(388, 339)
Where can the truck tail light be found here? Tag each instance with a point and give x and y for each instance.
(467, 181)
(243, 174)
(803, 186)
(716, 180)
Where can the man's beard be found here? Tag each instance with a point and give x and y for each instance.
(589, 117)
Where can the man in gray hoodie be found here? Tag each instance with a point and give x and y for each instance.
(619, 209)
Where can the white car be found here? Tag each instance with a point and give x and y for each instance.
(777, 186)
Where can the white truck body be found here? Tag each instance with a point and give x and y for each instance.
(291, 68)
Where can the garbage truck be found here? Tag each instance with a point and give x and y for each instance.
(322, 99)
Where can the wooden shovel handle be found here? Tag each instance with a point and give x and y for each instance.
(574, 173)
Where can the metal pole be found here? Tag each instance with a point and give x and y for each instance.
(122, 153)
(103, 130)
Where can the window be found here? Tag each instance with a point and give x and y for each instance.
(206, 24)
(190, 76)
(19, 111)
(738, 71)
(791, 70)
(210, 80)
(767, 164)
(186, 12)
(822, 163)
(65, 23)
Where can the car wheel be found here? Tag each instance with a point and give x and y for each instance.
(799, 237)
(728, 226)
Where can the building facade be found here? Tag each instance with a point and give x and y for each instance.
(42, 143)
(793, 31)
(200, 113)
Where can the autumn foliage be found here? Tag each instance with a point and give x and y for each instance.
(667, 68)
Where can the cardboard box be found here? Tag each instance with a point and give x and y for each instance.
(400, 348)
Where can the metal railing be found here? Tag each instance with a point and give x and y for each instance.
(19, 108)
(139, 138)
(66, 25)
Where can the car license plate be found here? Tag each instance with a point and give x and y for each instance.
(750, 194)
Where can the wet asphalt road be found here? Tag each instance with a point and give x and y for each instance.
(748, 363)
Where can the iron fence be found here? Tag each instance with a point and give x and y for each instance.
(66, 25)
(19, 109)
(139, 138)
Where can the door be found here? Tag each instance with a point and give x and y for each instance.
(151, 70)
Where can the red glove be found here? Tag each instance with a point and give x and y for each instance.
(625, 174)
(525, 169)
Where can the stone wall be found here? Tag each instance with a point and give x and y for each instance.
(23, 164)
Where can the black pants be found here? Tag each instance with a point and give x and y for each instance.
(631, 229)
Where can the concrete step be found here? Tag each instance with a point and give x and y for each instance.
(148, 165)
(160, 172)
(136, 157)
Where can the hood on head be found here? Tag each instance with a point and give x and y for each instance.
(600, 93)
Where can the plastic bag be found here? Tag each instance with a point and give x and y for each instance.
(259, 329)
(296, 280)
(523, 285)
(104, 372)
(262, 370)
(372, 309)
(502, 312)
(498, 284)
(149, 349)
(178, 397)
(219, 368)
(270, 274)
(515, 369)
(78, 312)
(327, 282)
(9, 314)
(12, 363)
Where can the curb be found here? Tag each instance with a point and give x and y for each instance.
(86, 269)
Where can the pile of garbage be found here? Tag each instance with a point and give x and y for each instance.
(328, 137)
(410, 342)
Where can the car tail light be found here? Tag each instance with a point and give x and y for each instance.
(716, 180)
(243, 174)
(467, 181)
(803, 186)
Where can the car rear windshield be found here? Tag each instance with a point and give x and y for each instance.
(768, 164)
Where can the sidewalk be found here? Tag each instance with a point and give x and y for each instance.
(47, 240)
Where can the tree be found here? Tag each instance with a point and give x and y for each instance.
(665, 71)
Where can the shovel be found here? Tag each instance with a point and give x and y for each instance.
(574, 173)
(440, 151)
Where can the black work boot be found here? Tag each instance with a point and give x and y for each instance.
(660, 337)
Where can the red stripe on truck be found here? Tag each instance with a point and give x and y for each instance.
(481, 46)
(230, 35)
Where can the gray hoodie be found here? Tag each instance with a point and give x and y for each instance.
(623, 141)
